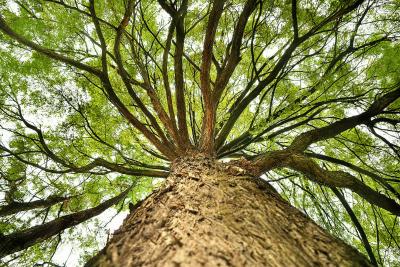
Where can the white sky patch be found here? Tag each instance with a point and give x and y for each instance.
(162, 17)
(92, 48)
(270, 51)
(13, 7)
(5, 136)
(69, 254)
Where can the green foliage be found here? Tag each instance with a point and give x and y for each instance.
(70, 110)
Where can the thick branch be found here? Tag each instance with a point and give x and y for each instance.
(207, 136)
(234, 53)
(15, 207)
(294, 20)
(374, 176)
(301, 142)
(29, 237)
(341, 179)
(179, 80)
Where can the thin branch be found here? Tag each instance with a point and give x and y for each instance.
(358, 226)
(49, 53)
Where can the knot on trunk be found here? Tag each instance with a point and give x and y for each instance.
(243, 166)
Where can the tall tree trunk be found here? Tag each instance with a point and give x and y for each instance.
(208, 214)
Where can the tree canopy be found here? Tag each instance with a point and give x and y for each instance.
(97, 98)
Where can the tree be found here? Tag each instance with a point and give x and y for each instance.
(240, 107)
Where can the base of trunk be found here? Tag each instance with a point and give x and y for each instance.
(206, 216)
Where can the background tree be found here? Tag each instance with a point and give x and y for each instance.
(101, 99)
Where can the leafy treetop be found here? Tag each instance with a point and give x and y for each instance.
(100, 96)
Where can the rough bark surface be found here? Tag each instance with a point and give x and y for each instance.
(209, 214)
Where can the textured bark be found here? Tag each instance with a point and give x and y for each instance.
(209, 214)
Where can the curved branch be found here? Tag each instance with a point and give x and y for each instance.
(164, 72)
(301, 163)
(301, 142)
(126, 79)
(49, 53)
(71, 167)
(234, 54)
(62, 3)
(114, 99)
(88, 167)
(241, 104)
(374, 176)
(340, 179)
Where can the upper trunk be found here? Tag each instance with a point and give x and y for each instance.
(208, 214)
